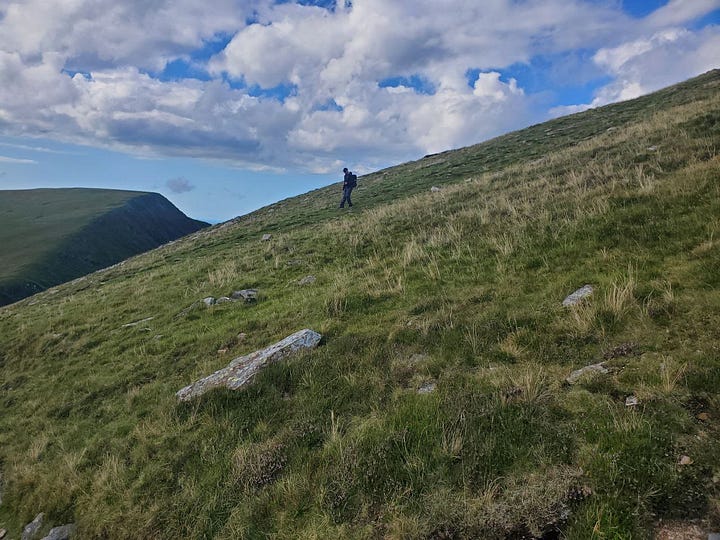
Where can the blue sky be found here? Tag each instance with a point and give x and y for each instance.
(229, 105)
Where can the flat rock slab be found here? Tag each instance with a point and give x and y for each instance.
(577, 296)
(592, 369)
(64, 532)
(242, 369)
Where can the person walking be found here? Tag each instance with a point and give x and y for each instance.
(349, 183)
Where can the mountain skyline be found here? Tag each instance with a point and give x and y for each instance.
(227, 109)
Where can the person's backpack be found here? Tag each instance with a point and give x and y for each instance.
(352, 180)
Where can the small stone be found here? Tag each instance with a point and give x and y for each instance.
(223, 300)
(651, 148)
(249, 295)
(592, 369)
(703, 417)
(632, 401)
(266, 237)
(427, 388)
(577, 296)
(32, 529)
(3, 532)
(685, 460)
(209, 301)
(434, 189)
(307, 280)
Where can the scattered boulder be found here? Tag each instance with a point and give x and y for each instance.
(307, 280)
(632, 401)
(266, 237)
(223, 300)
(32, 529)
(241, 370)
(592, 369)
(64, 532)
(577, 296)
(249, 295)
(209, 301)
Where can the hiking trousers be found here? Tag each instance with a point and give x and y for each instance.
(346, 196)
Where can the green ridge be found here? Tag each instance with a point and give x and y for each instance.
(461, 288)
(54, 235)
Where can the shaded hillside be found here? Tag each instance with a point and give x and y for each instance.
(50, 236)
(438, 403)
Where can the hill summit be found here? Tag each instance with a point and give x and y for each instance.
(50, 236)
(527, 351)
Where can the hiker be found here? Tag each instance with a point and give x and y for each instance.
(349, 182)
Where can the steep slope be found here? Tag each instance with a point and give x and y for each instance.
(436, 406)
(54, 235)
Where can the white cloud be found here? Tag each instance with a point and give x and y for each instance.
(648, 64)
(334, 59)
(17, 161)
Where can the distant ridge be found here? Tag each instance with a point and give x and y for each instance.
(50, 236)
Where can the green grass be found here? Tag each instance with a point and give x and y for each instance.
(53, 235)
(462, 288)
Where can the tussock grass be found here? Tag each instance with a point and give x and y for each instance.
(461, 288)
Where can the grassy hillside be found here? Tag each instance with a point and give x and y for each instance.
(53, 235)
(461, 289)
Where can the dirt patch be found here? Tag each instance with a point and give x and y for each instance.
(680, 530)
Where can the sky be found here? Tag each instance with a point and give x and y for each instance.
(224, 106)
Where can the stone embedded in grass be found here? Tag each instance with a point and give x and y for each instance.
(266, 237)
(577, 296)
(435, 189)
(241, 370)
(427, 388)
(307, 280)
(249, 295)
(65, 532)
(592, 369)
(3, 532)
(632, 401)
(686, 460)
(223, 300)
(209, 301)
(129, 325)
(31, 530)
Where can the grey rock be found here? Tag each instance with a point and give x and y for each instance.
(61, 533)
(427, 388)
(241, 370)
(714, 536)
(3, 532)
(266, 237)
(417, 358)
(435, 189)
(249, 295)
(632, 401)
(128, 325)
(209, 301)
(577, 296)
(307, 280)
(592, 369)
(224, 300)
(32, 529)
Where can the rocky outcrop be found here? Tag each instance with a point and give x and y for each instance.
(241, 370)
(31, 530)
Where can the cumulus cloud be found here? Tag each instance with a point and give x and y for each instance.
(300, 86)
(179, 185)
